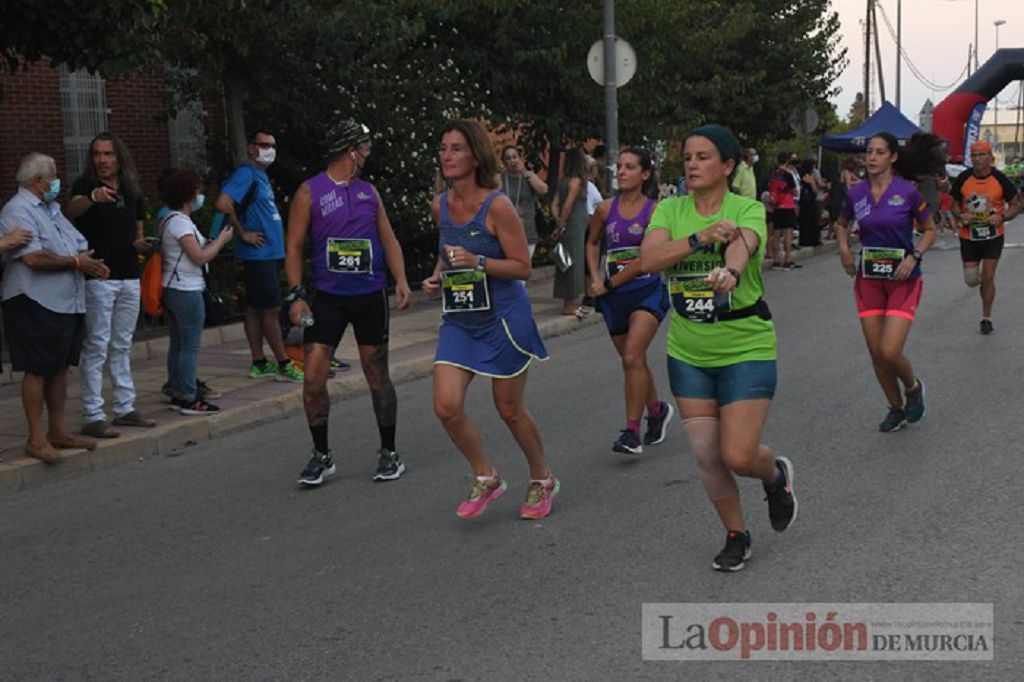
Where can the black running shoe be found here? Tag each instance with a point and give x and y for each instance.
(389, 466)
(735, 553)
(986, 327)
(782, 504)
(319, 467)
(915, 402)
(657, 427)
(628, 442)
(894, 420)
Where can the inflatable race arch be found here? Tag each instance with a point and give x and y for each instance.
(958, 117)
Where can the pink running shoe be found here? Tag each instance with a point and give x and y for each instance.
(538, 498)
(483, 493)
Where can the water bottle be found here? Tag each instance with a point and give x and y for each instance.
(306, 320)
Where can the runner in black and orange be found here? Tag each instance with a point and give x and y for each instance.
(983, 200)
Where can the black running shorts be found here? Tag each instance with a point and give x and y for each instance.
(367, 313)
(972, 252)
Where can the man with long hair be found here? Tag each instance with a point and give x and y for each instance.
(107, 207)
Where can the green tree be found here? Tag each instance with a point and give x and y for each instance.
(109, 36)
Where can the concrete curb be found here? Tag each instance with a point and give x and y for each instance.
(167, 439)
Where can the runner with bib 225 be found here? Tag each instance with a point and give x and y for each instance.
(888, 280)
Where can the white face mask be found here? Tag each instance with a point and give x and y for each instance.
(267, 156)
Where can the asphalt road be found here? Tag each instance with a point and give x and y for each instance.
(212, 564)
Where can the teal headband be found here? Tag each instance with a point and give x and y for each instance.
(727, 144)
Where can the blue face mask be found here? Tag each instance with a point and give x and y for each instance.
(54, 190)
(197, 205)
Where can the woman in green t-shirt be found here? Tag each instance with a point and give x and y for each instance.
(721, 341)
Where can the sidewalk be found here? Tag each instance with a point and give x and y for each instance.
(223, 363)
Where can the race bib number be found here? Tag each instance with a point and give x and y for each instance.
(879, 262)
(350, 256)
(694, 299)
(619, 259)
(981, 232)
(464, 291)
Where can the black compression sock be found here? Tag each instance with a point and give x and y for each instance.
(319, 434)
(281, 364)
(387, 437)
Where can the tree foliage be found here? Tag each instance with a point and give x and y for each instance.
(110, 36)
(404, 66)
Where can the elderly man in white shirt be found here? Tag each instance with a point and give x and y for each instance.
(44, 301)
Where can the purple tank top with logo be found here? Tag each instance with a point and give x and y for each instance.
(622, 240)
(345, 249)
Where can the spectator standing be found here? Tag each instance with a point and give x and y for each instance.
(107, 207)
(247, 199)
(45, 263)
(523, 187)
(783, 190)
(744, 183)
(570, 207)
(810, 209)
(185, 255)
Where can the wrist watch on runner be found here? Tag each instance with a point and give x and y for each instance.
(917, 256)
(735, 273)
(481, 261)
(694, 241)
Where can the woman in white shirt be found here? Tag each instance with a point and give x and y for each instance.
(185, 255)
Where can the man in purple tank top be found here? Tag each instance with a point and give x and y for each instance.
(352, 246)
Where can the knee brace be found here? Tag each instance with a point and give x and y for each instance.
(972, 278)
(704, 441)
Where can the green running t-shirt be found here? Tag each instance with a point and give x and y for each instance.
(717, 344)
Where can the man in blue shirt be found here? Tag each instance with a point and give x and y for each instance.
(247, 200)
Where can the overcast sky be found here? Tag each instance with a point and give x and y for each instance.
(936, 34)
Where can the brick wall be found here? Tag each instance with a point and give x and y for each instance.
(138, 114)
(30, 121)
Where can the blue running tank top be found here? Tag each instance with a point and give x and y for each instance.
(345, 249)
(473, 236)
(627, 235)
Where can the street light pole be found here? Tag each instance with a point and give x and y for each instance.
(611, 98)
(997, 23)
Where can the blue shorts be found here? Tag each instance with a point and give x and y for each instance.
(751, 380)
(617, 306)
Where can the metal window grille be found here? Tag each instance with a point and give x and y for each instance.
(83, 99)
(188, 137)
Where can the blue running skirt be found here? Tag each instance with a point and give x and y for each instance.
(500, 350)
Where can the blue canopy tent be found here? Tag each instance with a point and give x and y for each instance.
(887, 119)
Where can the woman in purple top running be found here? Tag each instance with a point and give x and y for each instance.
(888, 281)
(632, 302)
(488, 328)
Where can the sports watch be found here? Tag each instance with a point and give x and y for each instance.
(481, 261)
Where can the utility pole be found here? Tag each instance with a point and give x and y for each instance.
(611, 97)
(867, 63)
(878, 54)
(899, 47)
(997, 23)
(975, 35)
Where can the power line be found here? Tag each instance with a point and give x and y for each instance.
(914, 70)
